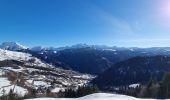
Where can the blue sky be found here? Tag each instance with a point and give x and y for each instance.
(141, 23)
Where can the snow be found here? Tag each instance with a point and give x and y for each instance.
(82, 76)
(55, 51)
(96, 96)
(30, 81)
(110, 50)
(12, 46)
(36, 84)
(40, 83)
(131, 49)
(106, 96)
(134, 85)
(19, 56)
(37, 80)
(5, 85)
(11, 69)
(19, 90)
(4, 82)
(57, 89)
(5, 54)
(65, 83)
(1, 72)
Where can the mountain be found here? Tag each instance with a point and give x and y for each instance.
(133, 70)
(13, 46)
(23, 72)
(94, 59)
(37, 48)
(115, 66)
(91, 59)
(84, 60)
(40, 48)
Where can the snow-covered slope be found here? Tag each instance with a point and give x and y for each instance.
(96, 96)
(23, 57)
(14, 46)
(17, 68)
(6, 86)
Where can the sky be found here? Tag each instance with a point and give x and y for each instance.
(128, 23)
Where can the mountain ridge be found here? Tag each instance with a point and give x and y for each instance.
(14, 46)
(134, 70)
(91, 59)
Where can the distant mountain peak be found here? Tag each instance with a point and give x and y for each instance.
(13, 46)
(37, 48)
(80, 45)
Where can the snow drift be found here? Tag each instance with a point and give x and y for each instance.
(96, 96)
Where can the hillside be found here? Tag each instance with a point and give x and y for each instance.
(133, 70)
(22, 72)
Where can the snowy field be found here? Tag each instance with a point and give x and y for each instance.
(96, 96)
(5, 85)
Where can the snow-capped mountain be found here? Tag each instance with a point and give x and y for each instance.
(77, 57)
(43, 49)
(102, 57)
(14, 46)
(40, 48)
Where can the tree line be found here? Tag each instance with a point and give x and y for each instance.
(153, 89)
(68, 93)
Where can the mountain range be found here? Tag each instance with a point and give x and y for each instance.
(91, 59)
(23, 72)
(112, 66)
